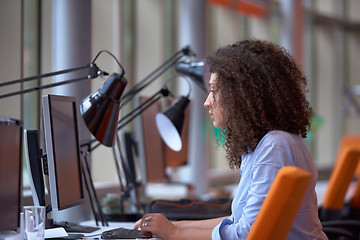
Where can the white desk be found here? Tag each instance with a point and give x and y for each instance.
(112, 225)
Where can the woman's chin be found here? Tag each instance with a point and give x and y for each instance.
(216, 125)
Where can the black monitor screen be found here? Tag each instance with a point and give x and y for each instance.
(63, 151)
(33, 156)
(10, 174)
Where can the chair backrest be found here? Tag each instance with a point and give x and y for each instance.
(281, 205)
(341, 176)
(353, 141)
(350, 140)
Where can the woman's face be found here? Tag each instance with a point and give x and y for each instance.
(212, 102)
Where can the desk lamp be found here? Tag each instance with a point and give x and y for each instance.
(175, 113)
(184, 66)
(170, 123)
(107, 102)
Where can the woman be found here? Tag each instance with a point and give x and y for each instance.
(257, 99)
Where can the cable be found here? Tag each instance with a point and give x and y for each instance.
(106, 51)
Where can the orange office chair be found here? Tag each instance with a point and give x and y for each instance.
(351, 141)
(281, 205)
(352, 207)
(330, 212)
(340, 179)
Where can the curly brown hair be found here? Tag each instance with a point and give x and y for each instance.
(261, 89)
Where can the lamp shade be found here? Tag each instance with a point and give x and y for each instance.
(170, 123)
(100, 109)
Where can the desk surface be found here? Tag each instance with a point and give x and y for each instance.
(112, 225)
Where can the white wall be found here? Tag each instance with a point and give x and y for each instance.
(10, 51)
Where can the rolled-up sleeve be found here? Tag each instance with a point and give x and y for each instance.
(216, 233)
(227, 229)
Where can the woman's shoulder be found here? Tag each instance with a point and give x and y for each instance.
(278, 147)
(280, 137)
(276, 142)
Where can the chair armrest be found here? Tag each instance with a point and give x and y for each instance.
(334, 233)
(346, 224)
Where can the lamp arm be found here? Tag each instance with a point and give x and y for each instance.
(112, 55)
(164, 92)
(186, 51)
(142, 107)
(42, 87)
(45, 75)
(94, 72)
(187, 78)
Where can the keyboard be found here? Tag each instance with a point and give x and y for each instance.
(73, 227)
(124, 233)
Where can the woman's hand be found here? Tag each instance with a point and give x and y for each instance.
(137, 223)
(157, 224)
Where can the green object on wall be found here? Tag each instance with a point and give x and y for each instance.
(218, 136)
(316, 123)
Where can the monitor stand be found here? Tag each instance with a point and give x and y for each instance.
(72, 227)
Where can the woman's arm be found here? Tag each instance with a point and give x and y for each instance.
(208, 223)
(158, 225)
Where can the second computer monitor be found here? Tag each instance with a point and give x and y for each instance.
(33, 157)
(62, 151)
(10, 174)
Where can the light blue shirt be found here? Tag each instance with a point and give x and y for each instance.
(258, 170)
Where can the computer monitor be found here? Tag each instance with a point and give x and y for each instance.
(10, 174)
(62, 151)
(153, 163)
(33, 156)
(155, 156)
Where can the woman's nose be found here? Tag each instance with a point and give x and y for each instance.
(207, 102)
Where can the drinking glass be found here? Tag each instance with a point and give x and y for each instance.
(34, 222)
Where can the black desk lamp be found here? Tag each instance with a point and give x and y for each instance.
(170, 123)
(173, 116)
(183, 66)
(100, 110)
(106, 101)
